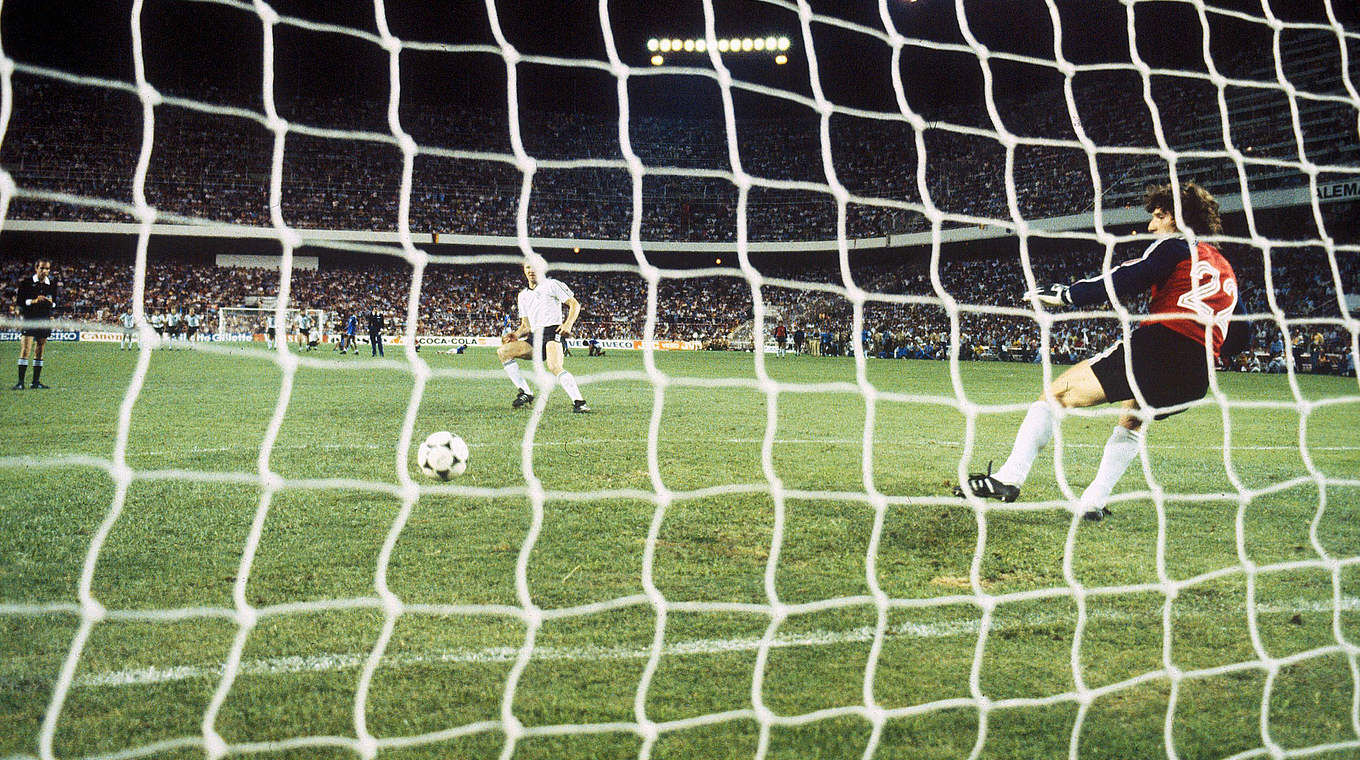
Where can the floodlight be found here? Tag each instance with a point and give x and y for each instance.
(760, 43)
(783, 43)
(747, 44)
(735, 42)
(665, 46)
(653, 44)
(677, 44)
(701, 45)
(722, 46)
(689, 46)
(781, 59)
(657, 60)
(771, 43)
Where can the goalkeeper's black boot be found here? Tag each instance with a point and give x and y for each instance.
(1096, 515)
(18, 386)
(580, 407)
(37, 386)
(521, 399)
(984, 486)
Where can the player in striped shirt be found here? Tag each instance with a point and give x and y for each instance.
(174, 327)
(1193, 299)
(129, 325)
(191, 325)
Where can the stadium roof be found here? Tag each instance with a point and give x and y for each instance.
(193, 44)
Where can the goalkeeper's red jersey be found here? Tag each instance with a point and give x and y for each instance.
(1203, 288)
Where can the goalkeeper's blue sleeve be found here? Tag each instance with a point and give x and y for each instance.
(1134, 276)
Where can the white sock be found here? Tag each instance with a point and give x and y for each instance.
(1120, 451)
(512, 369)
(568, 383)
(1032, 437)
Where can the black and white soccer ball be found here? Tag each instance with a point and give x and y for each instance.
(442, 455)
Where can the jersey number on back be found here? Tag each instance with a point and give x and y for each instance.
(1207, 284)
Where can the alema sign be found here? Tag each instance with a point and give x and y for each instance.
(1339, 191)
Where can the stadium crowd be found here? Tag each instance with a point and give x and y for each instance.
(896, 327)
(84, 141)
(904, 315)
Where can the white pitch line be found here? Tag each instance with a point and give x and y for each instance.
(956, 444)
(347, 661)
(856, 442)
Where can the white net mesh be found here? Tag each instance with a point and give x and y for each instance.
(941, 224)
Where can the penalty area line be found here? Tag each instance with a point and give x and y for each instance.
(856, 442)
(333, 662)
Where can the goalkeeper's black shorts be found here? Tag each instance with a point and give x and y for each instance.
(1170, 369)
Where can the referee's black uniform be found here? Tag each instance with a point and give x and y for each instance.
(375, 326)
(31, 288)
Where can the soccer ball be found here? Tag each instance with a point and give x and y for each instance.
(442, 455)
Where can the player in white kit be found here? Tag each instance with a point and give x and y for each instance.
(129, 324)
(541, 324)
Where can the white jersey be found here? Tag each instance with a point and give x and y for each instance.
(127, 320)
(542, 306)
(194, 320)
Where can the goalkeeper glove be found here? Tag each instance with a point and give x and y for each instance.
(1052, 295)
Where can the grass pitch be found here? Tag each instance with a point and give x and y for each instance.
(821, 591)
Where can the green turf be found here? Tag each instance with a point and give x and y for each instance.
(145, 678)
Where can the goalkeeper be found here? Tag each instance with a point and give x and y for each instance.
(1193, 297)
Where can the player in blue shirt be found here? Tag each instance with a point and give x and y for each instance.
(351, 327)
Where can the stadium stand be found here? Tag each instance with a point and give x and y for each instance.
(84, 141)
(903, 319)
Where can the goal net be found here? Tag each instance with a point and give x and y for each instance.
(737, 554)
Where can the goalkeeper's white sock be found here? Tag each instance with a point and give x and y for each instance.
(1033, 435)
(1120, 451)
(512, 369)
(568, 383)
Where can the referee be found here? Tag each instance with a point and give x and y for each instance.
(375, 327)
(36, 296)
